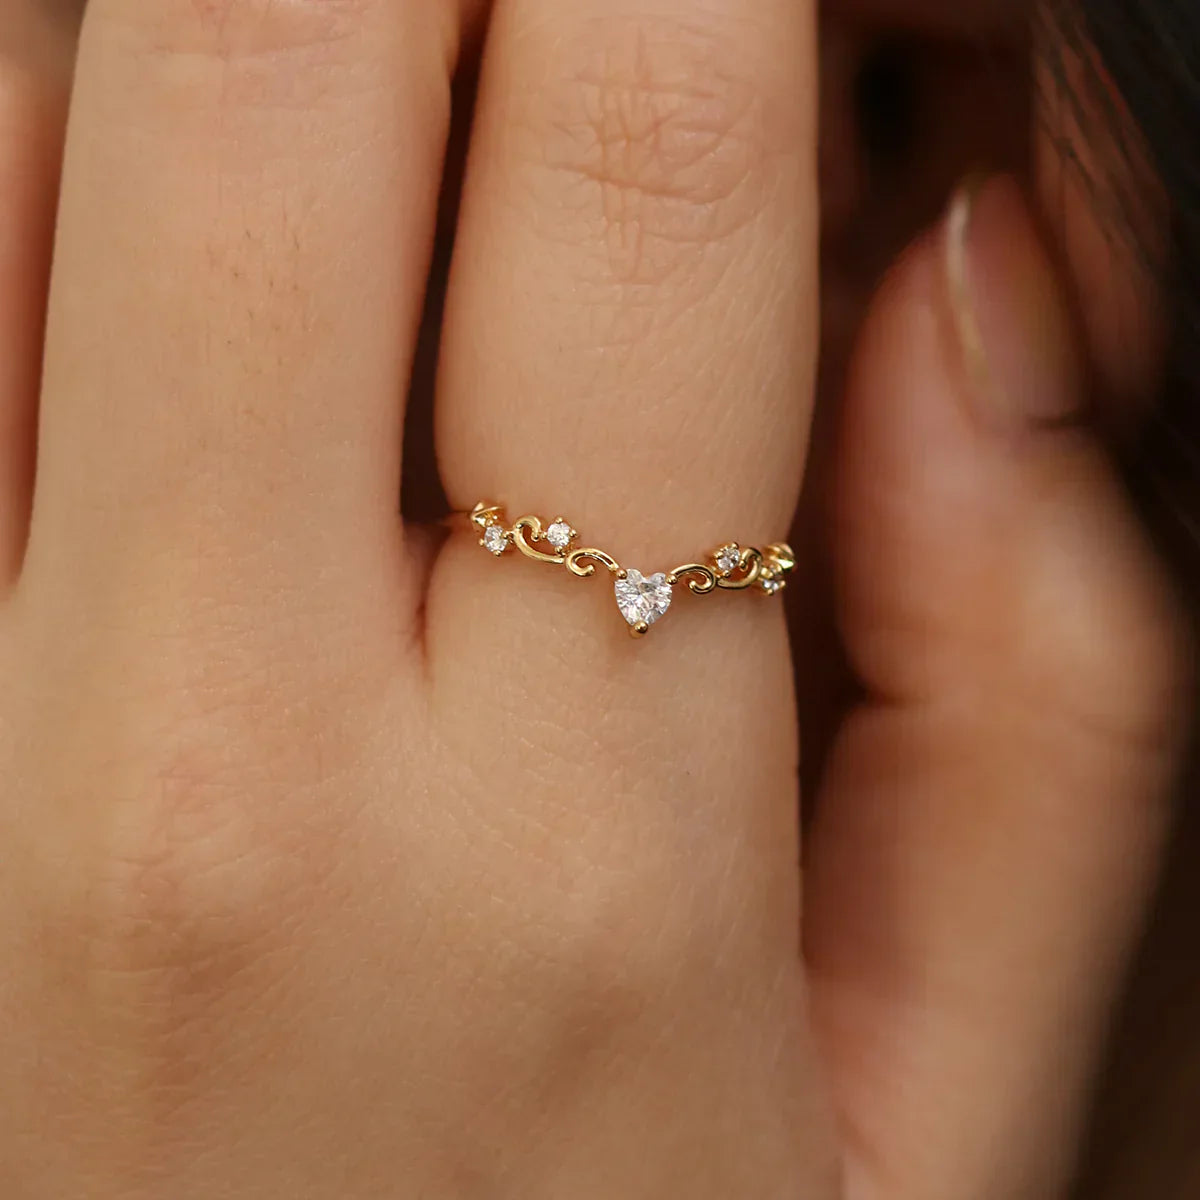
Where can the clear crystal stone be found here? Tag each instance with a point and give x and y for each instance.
(772, 584)
(728, 559)
(643, 599)
(559, 535)
(495, 539)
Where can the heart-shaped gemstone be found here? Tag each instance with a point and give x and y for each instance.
(643, 599)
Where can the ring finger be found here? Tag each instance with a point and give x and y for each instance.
(629, 342)
(630, 325)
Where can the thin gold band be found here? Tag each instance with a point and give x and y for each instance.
(641, 599)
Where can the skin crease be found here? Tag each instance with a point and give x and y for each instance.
(33, 111)
(338, 871)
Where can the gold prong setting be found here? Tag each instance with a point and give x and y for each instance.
(496, 539)
(728, 559)
(642, 599)
(560, 534)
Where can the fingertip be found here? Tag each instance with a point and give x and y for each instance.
(982, 529)
(1014, 327)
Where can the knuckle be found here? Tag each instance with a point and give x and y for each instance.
(187, 885)
(195, 877)
(183, 835)
(662, 135)
(170, 940)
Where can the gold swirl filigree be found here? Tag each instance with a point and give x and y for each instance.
(532, 527)
(765, 570)
(583, 562)
(703, 583)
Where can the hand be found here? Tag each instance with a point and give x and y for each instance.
(343, 863)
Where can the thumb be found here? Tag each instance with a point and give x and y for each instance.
(987, 832)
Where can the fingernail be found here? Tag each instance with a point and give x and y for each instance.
(1014, 327)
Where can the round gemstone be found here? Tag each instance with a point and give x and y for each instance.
(772, 584)
(728, 559)
(559, 535)
(495, 539)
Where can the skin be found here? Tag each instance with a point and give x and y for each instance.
(345, 862)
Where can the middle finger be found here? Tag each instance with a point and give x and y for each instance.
(247, 211)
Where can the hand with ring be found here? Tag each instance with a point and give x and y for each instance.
(345, 859)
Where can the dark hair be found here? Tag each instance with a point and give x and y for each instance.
(1151, 52)
(1147, 53)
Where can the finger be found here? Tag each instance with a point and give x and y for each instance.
(630, 325)
(35, 71)
(644, 183)
(247, 212)
(629, 342)
(986, 839)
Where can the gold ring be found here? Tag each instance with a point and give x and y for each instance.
(641, 599)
